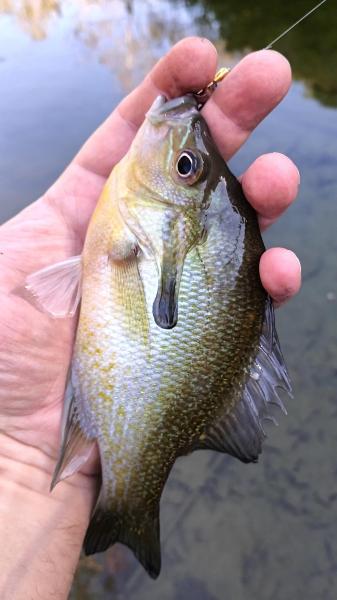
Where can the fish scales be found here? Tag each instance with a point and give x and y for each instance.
(161, 382)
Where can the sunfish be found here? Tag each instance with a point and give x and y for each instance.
(176, 348)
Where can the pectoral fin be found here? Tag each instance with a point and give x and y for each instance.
(240, 432)
(129, 296)
(56, 289)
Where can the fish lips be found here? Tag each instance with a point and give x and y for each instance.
(163, 109)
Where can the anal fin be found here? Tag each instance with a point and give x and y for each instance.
(240, 432)
(76, 447)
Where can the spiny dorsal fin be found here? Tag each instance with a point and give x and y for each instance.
(56, 289)
(240, 433)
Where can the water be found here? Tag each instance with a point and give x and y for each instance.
(229, 531)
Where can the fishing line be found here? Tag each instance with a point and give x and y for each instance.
(202, 95)
(294, 25)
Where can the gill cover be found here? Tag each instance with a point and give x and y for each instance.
(174, 249)
(182, 218)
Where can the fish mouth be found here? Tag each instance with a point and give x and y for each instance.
(177, 108)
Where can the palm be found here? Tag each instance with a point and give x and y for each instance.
(36, 349)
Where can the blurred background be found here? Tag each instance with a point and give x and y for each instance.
(229, 531)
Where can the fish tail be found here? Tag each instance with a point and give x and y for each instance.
(140, 532)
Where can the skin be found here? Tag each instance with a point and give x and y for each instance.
(44, 532)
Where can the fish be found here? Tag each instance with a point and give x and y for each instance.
(176, 348)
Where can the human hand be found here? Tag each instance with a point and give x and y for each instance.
(35, 350)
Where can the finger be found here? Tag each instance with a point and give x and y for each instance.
(280, 272)
(250, 91)
(190, 65)
(271, 184)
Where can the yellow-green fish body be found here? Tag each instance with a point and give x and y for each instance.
(175, 347)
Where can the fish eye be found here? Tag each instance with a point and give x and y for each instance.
(189, 166)
(186, 164)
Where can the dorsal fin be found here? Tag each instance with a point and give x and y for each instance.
(240, 433)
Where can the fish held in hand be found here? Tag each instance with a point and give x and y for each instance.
(176, 348)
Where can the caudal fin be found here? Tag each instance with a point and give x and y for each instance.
(139, 532)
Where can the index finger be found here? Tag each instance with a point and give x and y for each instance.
(190, 65)
(253, 88)
(246, 96)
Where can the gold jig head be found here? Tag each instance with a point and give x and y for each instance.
(203, 95)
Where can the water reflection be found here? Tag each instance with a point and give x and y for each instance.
(311, 47)
(128, 36)
(33, 15)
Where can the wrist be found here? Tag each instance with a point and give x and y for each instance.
(41, 533)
